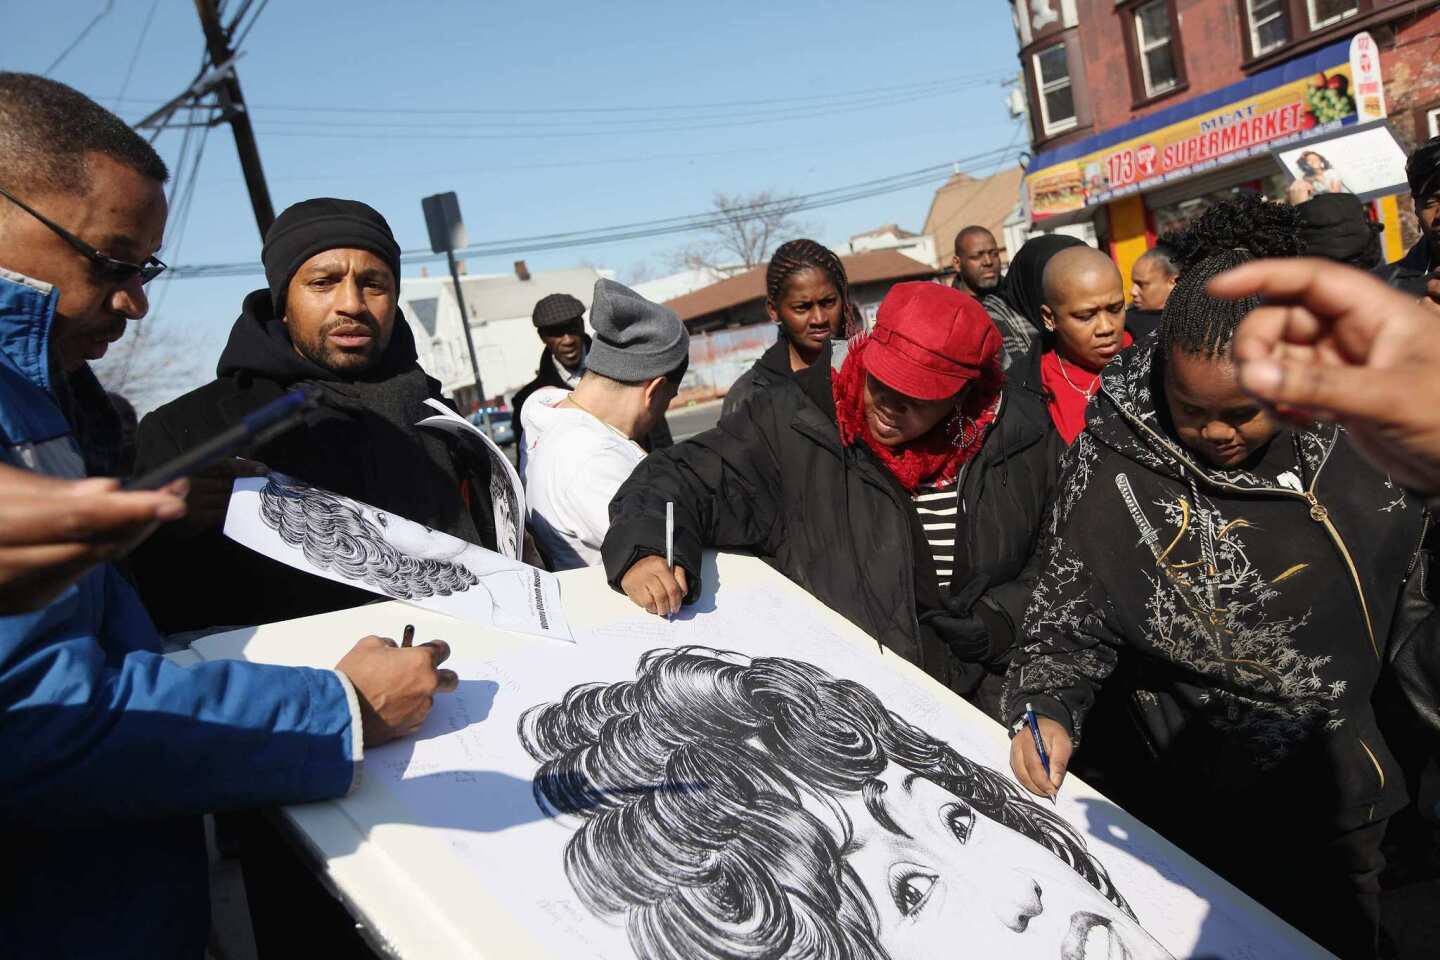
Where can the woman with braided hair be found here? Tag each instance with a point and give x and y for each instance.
(730, 807)
(904, 490)
(1246, 584)
(808, 296)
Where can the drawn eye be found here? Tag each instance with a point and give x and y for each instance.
(910, 887)
(381, 519)
(960, 819)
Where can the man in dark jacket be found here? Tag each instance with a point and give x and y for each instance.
(559, 322)
(776, 479)
(1152, 278)
(328, 318)
(1412, 272)
(109, 752)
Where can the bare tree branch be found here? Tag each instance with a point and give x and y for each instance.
(751, 226)
(151, 366)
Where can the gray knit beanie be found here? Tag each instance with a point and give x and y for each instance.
(635, 339)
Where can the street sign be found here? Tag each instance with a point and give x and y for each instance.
(1369, 88)
(442, 219)
(447, 233)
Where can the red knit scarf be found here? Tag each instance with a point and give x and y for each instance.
(1070, 387)
(934, 459)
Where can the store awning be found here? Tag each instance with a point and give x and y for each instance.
(1304, 97)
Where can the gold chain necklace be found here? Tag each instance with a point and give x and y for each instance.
(1087, 394)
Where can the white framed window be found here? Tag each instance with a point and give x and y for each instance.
(1325, 12)
(1432, 121)
(1057, 96)
(1269, 24)
(1156, 47)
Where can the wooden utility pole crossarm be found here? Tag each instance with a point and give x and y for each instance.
(232, 102)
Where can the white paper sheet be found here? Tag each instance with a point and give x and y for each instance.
(507, 493)
(352, 542)
(468, 776)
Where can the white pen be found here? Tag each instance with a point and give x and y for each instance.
(669, 538)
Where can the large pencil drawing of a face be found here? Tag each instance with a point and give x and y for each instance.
(398, 556)
(762, 808)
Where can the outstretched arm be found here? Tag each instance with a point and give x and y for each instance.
(1336, 344)
(725, 485)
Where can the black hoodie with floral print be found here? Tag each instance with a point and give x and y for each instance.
(1247, 615)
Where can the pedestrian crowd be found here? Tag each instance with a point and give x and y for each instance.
(1186, 532)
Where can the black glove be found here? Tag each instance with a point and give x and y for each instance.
(974, 631)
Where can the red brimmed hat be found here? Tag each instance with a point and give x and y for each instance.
(930, 340)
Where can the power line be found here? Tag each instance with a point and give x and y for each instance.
(978, 79)
(656, 228)
(546, 129)
(109, 4)
(237, 42)
(139, 45)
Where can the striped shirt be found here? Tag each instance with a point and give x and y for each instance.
(939, 514)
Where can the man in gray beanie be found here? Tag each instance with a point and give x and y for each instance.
(581, 446)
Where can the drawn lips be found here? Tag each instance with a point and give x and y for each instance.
(1091, 937)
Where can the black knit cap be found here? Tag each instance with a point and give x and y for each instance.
(1334, 226)
(314, 226)
(557, 310)
(1423, 170)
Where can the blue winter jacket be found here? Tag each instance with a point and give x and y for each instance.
(110, 753)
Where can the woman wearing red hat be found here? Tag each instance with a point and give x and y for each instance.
(905, 491)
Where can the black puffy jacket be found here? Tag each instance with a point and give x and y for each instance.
(773, 365)
(205, 579)
(776, 480)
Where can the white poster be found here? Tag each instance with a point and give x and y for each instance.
(351, 542)
(1366, 161)
(743, 781)
(507, 493)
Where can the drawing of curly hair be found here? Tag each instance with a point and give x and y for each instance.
(334, 535)
(689, 781)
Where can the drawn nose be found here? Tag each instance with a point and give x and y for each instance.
(1018, 902)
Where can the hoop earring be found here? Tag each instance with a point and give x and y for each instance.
(962, 430)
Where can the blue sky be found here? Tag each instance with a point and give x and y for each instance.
(350, 99)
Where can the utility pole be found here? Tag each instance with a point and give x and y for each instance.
(447, 232)
(232, 103)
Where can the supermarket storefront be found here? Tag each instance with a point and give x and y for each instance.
(1135, 182)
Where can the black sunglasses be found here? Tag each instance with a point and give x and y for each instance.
(109, 269)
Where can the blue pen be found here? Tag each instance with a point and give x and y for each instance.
(1034, 726)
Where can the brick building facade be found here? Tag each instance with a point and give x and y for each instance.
(1144, 111)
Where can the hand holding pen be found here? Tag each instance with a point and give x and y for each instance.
(1039, 753)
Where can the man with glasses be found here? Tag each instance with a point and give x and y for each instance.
(108, 752)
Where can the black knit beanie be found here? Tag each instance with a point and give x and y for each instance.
(313, 226)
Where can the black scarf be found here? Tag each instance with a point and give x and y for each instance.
(404, 470)
(1023, 288)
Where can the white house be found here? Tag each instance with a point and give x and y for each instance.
(891, 237)
(499, 306)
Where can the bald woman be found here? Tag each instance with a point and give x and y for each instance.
(1084, 317)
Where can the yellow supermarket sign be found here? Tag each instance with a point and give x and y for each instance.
(1319, 103)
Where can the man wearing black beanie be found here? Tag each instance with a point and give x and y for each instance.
(327, 317)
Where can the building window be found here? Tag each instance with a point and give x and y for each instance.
(1325, 12)
(1269, 24)
(1057, 98)
(1432, 121)
(1155, 42)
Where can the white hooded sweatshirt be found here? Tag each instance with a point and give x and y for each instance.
(574, 466)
